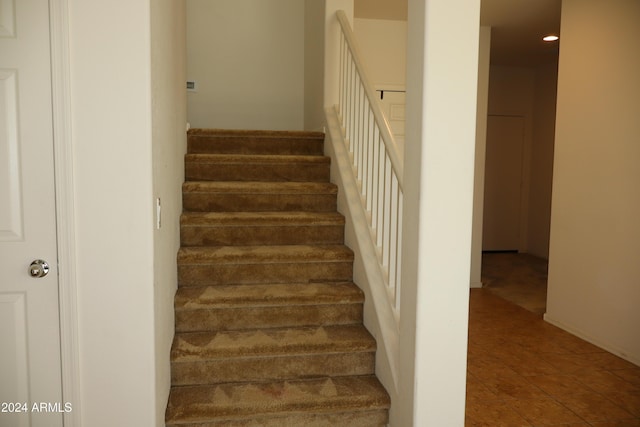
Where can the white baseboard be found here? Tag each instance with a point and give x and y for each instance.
(584, 336)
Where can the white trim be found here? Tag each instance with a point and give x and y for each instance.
(65, 207)
(353, 211)
(607, 346)
(475, 284)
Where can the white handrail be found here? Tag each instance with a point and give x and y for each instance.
(376, 162)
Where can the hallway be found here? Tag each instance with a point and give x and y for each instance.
(523, 371)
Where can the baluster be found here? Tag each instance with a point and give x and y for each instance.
(341, 99)
(356, 125)
(349, 102)
(387, 213)
(365, 148)
(369, 154)
(375, 184)
(398, 285)
(380, 202)
(393, 236)
(375, 174)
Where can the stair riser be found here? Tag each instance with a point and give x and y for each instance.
(272, 368)
(261, 235)
(202, 275)
(253, 145)
(267, 317)
(234, 202)
(346, 419)
(201, 171)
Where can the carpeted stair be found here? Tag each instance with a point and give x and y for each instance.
(268, 322)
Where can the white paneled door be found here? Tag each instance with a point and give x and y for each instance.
(393, 103)
(30, 373)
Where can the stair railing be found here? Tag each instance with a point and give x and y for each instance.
(376, 163)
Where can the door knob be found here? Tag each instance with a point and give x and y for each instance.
(38, 268)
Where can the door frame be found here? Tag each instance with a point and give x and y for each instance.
(65, 203)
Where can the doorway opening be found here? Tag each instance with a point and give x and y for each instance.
(519, 154)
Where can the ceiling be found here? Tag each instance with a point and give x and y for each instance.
(517, 28)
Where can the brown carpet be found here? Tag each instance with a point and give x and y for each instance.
(268, 322)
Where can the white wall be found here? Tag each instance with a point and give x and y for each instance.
(314, 23)
(332, 53)
(438, 196)
(541, 171)
(511, 90)
(383, 48)
(247, 58)
(595, 233)
(381, 9)
(169, 108)
(383, 45)
(321, 83)
(484, 51)
(112, 140)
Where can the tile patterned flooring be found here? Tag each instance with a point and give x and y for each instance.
(523, 371)
(519, 278)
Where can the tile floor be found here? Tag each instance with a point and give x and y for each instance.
(523, 371)
(519, 278)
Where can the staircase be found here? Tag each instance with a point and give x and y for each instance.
(268, 322)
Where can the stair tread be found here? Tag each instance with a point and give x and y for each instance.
(284, 134)
(291, 341)
(222, 141)
(248, 219)
(255, 158)
(256, 187)
(266, 295)
(263, 254)
(236, 400)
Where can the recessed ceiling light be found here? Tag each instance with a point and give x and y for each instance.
(550, 38)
